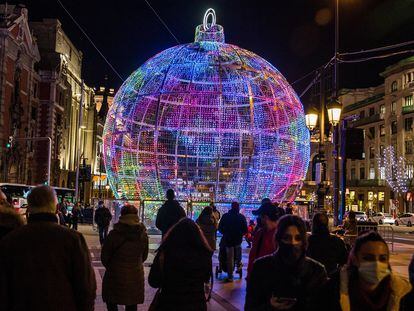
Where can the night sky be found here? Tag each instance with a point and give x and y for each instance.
(296, 36)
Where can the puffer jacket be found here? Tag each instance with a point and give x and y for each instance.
(208, 226)
(168, 215)
(233, 226)
(123, 254)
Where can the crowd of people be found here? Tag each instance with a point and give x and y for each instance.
(45, 265)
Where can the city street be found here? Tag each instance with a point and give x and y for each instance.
(230, 296)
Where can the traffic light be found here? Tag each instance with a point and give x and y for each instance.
(10, 142)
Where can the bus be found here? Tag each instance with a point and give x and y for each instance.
(18, 193)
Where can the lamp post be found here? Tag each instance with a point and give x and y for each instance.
(312, 116)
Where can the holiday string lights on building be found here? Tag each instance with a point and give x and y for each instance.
(206, 118)
(395, 174)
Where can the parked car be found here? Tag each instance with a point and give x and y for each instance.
(359, 215)
(405, 219)
(382, 218)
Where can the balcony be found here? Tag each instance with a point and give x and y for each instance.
(366, 183)
(408, 109)
(371, 119)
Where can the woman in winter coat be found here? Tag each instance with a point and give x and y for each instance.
(286, 279)
(181, 267)
(367, 282)
(208, 225)
(123, 254)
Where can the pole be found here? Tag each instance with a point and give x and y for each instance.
(321, 185)
(78, 151)
(336, 175)
(336, 48)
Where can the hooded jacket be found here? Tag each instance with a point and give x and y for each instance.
(123, 255)
(208, 224)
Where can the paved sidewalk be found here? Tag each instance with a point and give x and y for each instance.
(225, 296)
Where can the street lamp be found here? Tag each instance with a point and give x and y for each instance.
(334, 112)
(311, 118)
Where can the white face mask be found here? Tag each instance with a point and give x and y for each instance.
(373, 272)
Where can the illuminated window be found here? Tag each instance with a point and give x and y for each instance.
(408, 124)
(371, 173)
(409, 169)
(393, 107)
(408, 101)
(393, 86)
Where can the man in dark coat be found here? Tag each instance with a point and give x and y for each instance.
(44, 266)
(103, 218)
(233, 226)
(324, 247)
(169, 213)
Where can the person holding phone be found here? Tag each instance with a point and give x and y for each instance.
(286, 279)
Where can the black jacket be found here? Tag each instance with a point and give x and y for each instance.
(328, 249)
(103, 216)
(271, 277)
(181, 279)
(45, 266)
(168, 215)
(233, 226)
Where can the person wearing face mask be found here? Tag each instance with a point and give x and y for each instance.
(366, 283)
(286, 279)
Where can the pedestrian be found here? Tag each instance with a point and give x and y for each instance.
(76, 214)
(249, 235)
(407, 303)
(181, 266)
(9, 219)
(286, 279)
(366, 283)
(169, 213)
(208, 225)
(123, 255)
(216, 213)
(4, 202)
(103, 219)
(350, 224)
(289, 210)
(233, 226)
(325, 247)
(263, 240)
(44, 266)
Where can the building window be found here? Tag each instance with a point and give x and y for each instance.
(408, 101)
(34, 113)
(381, 150)
(362, 173)
(408, 147)
(353, 173)
(393, 107)
(409, 169)
(362, 114)
(382, 172)
(382, 109)
(35, 90)
(371, 111)
(408, 124)
(371, 152)
(371, 173)
(394, 127)
(408, 77)
(393, 86)
(382, 130)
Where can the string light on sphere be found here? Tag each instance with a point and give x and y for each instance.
(206, 117)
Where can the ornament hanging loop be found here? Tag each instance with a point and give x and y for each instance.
(212, 13)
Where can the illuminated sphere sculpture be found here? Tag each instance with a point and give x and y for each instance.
(209, 120)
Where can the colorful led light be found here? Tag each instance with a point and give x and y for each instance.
(206, 118)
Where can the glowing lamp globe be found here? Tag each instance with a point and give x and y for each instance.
(209, 120)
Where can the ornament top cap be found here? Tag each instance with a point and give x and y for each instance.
(209, 31)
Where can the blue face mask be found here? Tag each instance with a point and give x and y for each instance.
(373, 272)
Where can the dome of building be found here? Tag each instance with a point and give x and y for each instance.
(211, 121)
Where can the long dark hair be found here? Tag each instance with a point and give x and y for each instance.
(208, 210)
(287, 221)
(185, 235)
(370, 236)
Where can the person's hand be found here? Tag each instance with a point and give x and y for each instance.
(282, 303)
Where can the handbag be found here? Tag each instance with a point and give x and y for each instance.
(156, 301)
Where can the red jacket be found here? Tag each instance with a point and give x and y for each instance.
(263, 244)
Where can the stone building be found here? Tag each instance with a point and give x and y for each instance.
(386, 114)
(19, 97)
(61, 117)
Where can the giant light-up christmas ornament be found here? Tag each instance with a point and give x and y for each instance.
(206, 118)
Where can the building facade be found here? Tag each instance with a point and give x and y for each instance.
(385, 113)
(67, 108)
(19, 97)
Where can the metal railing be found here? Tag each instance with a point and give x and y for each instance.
(386, 232)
